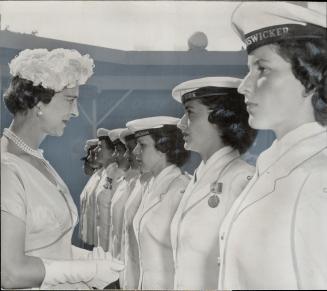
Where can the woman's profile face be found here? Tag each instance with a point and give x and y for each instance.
(129, 155)
(146, 154)
(56, 114)
(196, 128)
(104, 155)
(273, 95)
(119, 154)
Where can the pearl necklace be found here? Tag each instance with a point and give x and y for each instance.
(22, 145)
(35, 153)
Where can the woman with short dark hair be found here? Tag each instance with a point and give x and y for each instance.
(215, 126)
(280, 218)
(160, 151)
(38, 214)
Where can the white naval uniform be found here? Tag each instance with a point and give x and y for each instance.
(117, 211)
(87, 208)
(152, 228)
(275, 235)
(195, 226)
(129, 278)
(103, 195)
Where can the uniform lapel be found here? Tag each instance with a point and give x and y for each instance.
(159, 188)
(179, 212)
(262, 186)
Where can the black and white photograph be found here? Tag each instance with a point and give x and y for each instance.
(163, 145)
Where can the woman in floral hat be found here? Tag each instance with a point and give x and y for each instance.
(38, 214)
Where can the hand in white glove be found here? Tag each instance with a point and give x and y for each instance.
(106, 272)
(99, 254)
(80, 254)
(96, 273)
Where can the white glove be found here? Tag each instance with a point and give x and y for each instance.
(104, 260)
(107, 272)
(80, 254)
(99, 254)
(72, 271)
(96, 273)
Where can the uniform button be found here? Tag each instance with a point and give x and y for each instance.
(325, 190)
(218, 261)
(222, 237)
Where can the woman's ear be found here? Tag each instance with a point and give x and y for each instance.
(38, 108)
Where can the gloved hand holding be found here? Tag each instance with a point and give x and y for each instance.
(96, 273)
(106, 273)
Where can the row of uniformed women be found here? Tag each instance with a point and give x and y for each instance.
(274, 234)
(105, 157)
(174, 245)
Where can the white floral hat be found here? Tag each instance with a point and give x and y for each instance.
(56, 69)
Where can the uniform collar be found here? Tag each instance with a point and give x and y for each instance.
(201, 170)
(162, 174)
(110, 168)
(286, 143)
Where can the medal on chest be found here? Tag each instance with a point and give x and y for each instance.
(216, 188)
(108, 184)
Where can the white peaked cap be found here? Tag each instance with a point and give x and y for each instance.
(102, 132)
(89, 143)
(192, 85)
(144, 126)
(259, 23)
(125, 132)
(115, 133)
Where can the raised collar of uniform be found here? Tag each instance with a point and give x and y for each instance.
(286, 143)
(212, 160)
(110, 168)
(163, 173)
(131, 173)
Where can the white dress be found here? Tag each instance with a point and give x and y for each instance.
(48, 212)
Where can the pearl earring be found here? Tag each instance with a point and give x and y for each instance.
(39, 113)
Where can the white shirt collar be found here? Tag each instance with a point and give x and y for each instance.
(212, 160)
(286, 143)
(163, 173)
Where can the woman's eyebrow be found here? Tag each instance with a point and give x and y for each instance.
(261, 60)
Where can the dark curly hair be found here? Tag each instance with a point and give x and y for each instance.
(308, 59)
(23, 95)
(169, 140)
(228, 112)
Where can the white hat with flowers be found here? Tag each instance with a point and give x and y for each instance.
(56, 69)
